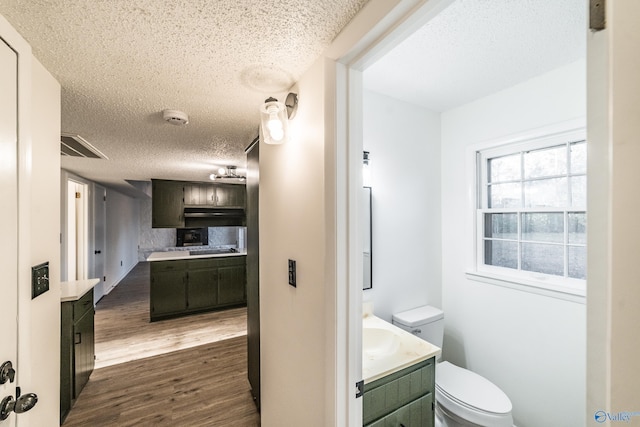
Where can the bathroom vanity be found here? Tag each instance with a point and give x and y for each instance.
(399, 376)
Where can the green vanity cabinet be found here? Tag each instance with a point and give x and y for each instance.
(77, 349)
(405, 397)
(181, 287)
(167, 204)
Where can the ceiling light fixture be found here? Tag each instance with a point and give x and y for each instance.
(230, 172)
(274, 118)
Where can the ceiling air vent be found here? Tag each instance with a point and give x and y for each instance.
(77, 146)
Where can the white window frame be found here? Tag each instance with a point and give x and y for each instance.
(544, 284)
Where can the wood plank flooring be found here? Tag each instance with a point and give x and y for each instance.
(190, 371)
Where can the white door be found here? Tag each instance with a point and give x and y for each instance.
(99, 236)
(8, 216)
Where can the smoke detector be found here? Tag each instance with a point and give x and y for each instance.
(175, 117)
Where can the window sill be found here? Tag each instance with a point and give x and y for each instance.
(566, 293)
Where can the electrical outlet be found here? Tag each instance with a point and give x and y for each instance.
(39, 279)
(292, 273)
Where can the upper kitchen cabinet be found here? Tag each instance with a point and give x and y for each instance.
(167, 201)
(214, 195)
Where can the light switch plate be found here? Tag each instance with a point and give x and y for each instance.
(292, 273)
(39, 279)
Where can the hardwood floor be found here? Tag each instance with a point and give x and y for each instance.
(190, 371)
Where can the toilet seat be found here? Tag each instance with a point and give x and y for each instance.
(471, 396)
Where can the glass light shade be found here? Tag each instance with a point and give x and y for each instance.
(274, 121)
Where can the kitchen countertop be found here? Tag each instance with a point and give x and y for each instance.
(75, 289)
(175, 255)
(410, 350)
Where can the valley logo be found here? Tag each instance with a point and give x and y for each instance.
(602, 416)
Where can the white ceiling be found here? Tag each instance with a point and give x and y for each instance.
(121, 62)
(477, 47)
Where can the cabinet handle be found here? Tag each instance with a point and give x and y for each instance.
(78, 339)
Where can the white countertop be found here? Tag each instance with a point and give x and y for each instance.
(174, 255)
(75, 289)
(409, 351)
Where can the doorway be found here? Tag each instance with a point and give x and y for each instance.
(77, 239)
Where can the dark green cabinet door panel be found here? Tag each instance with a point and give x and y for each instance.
(230, 195)
(202, 291)
(83, 351)
(403, 397)
(168, 291)
(232, 282)
(167, 204)
(196, 194)
(66, 359)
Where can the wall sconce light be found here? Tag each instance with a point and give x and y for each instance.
(274, 118)
(366, 172)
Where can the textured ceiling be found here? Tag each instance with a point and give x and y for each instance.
(477, 47)
(122, 62)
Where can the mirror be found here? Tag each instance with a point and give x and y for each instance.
(366, 252)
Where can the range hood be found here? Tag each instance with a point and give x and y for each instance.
(213, 217)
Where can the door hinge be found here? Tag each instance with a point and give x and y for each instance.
(77, 194)
(597, 19)
(104, 278)
(359, 388)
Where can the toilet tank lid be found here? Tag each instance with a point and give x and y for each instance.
(418, 316)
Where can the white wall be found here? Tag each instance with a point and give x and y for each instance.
(44, 336)
(404, 145)
(123, 225)
(531, 346)
(292, 216)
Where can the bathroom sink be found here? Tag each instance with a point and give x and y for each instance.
(378, 342)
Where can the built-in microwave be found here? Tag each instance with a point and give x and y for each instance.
(192, 236)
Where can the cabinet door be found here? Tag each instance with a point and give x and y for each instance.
(66, 358)
(168, 290)
(232, 284)
(202, 288)
(230, 195)
(167, 201)
(417, 413)
(84, 353)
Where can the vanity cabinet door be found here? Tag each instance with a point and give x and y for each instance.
(83, 351)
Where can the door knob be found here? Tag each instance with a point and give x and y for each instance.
(23, 404)
(7, 373)
(97, 252)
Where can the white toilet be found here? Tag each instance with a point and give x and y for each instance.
(463, 398)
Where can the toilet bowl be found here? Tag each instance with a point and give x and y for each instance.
(463, 398)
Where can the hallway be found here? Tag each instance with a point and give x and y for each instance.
(190, 371)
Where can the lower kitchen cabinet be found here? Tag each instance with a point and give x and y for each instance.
(404, 398)
(181, 287)
(77, 349)
(168, 288)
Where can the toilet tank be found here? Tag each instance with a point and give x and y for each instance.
(426, 322)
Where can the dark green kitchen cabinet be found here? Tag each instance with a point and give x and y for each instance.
(168, 294)
(230, 195)
(214, 195)
(182, 287)
(202, 292)
(229, 280)
(77, 349)
(167, 204)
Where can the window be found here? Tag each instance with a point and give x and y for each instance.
(531, 216)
